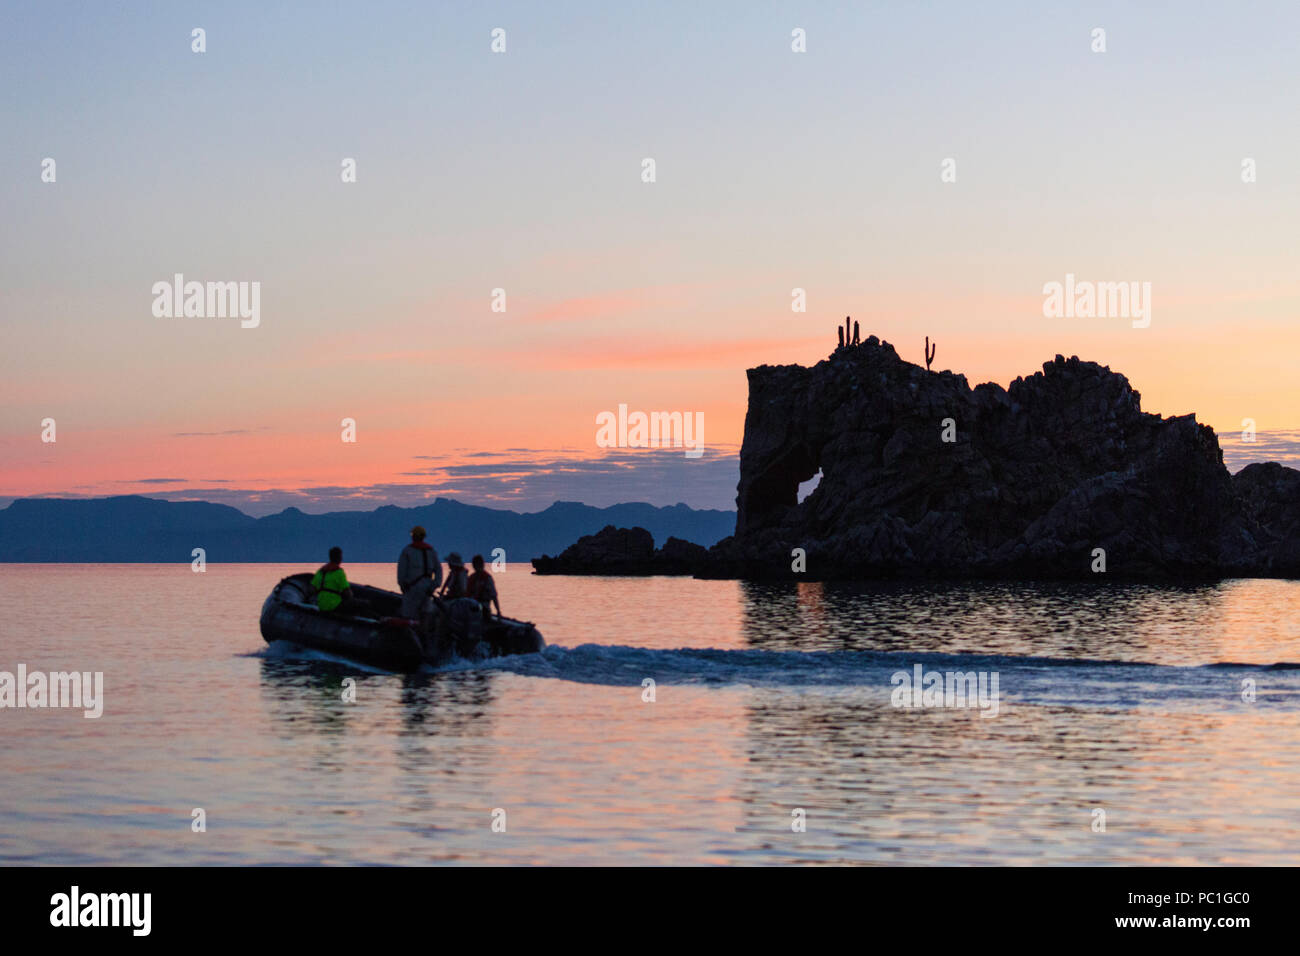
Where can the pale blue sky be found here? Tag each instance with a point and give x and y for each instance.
(775, 170)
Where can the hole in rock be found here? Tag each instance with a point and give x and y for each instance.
(808, 487)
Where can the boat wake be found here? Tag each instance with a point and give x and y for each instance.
(1042, 681)
(1037, 680)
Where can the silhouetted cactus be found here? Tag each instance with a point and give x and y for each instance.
(855, 333)
(840, 332)
(929, 352)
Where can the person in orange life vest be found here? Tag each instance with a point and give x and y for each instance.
(482, 587)
(331, 583)
(419, 572)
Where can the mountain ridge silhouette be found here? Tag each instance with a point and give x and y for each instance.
(138, 529)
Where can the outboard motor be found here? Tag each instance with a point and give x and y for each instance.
(465, 617)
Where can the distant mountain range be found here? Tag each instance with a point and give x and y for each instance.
(132, 528)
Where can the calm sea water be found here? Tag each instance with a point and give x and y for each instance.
(768, 699)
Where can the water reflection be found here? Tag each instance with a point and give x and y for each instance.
(309, 695)
(1121, 621)
(306, 695)
(947, 787)
(457, 703)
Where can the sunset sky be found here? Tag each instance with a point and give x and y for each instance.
(522, 170)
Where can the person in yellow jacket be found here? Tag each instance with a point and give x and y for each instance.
(331, 584)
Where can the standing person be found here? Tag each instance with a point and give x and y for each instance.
(457, 579)
(331, 584)
(419, 572)
(482, 587)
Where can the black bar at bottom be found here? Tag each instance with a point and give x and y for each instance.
(305, 905)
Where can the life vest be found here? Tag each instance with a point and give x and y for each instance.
(481, 586)
(330, 582)
(426, 555)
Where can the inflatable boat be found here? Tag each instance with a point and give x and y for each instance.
(376, 634)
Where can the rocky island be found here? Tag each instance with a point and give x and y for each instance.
(624, 551)
(1060, 475)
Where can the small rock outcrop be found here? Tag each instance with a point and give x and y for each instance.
(624, 551)
(1270, 494)
(1060, 475)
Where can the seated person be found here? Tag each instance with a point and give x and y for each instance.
(482, 587)
(331, 583)
(457, 582)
